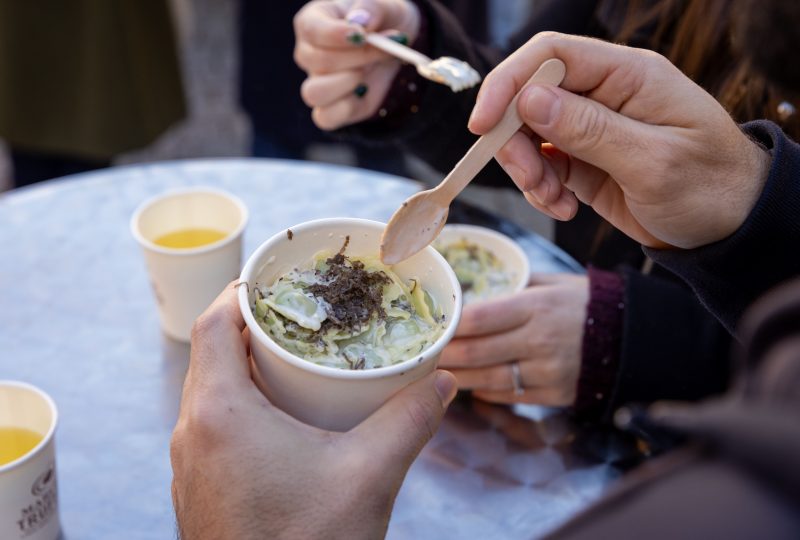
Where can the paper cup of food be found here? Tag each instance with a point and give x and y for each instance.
(487, 263)
(333, 332)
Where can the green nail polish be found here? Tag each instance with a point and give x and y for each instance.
(356, 38)
(402, 39)
(361, 90)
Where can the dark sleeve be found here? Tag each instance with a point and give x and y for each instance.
(738, 478)
(672, 347)
(436, 131)
(647, 339)
(728, 275)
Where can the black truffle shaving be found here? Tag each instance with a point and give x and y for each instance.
(354, 294)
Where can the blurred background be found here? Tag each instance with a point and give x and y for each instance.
(227, 51)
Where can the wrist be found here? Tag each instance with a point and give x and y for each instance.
(752, 185)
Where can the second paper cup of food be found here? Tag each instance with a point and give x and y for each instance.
(329, 397)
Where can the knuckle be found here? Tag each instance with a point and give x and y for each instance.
(655, 60)
(477, 320)
(301, 21)
(465, 353)
(177, 444)
(587, 125)
(422, 421)
(312, 60)
(205, 324)
(203, 424)
(546, 38)
(532, 343)
(300, 56)
(498, 378)
(321, 119)
(307, 93)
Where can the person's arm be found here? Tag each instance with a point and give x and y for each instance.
(647, 339)
(430, 123)
(730, 274)
(738, 476)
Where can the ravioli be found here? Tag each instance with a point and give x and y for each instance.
(480, 273)
(348, 312)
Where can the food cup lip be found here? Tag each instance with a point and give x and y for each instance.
(50, 431)
(261, 253)
(497, 236)
(182, 252)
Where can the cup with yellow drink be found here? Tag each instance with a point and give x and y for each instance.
(28, 492)
(192, 245)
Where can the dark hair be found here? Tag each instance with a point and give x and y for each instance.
(701, 38)
(768, 34)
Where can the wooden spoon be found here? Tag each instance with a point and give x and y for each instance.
(420, 218)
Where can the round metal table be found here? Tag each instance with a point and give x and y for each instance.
(78, 319)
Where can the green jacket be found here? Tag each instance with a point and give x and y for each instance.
(87, 78)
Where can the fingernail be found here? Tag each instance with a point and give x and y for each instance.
(361, 90)
(356, 37)
(358, 16)
(540, 105)
(474, 113)
(402, 39)
(445, 385)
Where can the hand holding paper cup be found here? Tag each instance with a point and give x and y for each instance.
(333, 332)
(28, 493)
(192, 243)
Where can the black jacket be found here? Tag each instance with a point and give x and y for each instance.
(739, 474)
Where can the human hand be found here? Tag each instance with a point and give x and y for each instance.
(339, 66)
(540, 329)
(244, 469)
(631, 136)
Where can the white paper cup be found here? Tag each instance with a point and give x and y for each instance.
(507, 251)
(28, 491)
(186, 281)
(326, 397)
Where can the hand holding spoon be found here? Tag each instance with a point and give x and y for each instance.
(420, 218)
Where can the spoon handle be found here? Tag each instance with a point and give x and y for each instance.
(552, 71)
(390, 46)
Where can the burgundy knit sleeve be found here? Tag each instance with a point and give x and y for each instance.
(602, 335)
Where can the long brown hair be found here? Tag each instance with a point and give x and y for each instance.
(698, 37)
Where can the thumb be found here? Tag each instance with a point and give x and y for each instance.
(397, 431)
(365, 13)
(581, 127)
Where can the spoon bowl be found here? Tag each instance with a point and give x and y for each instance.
(425, 215)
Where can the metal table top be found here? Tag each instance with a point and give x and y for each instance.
(77, 318)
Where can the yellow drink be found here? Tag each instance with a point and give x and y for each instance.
(189, 238)
(16, 442)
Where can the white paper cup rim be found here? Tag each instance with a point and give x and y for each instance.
(327, 371)
(466, 229)
(50, 432)
(149, 244)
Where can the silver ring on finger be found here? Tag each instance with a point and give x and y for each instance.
(516, 379)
